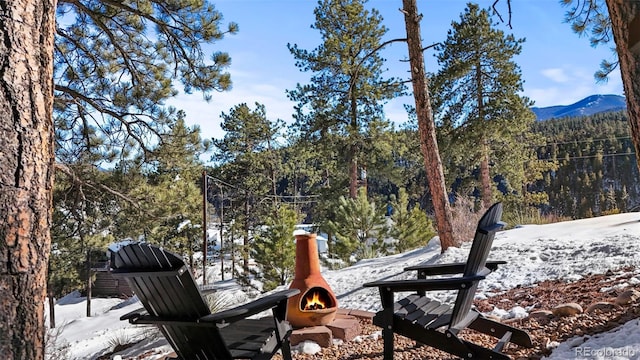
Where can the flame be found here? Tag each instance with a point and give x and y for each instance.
(313, 302)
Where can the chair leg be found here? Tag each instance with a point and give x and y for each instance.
(387, 337)
(386, 317)
(286, 350)
(498, 330)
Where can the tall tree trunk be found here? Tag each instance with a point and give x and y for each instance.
(485, 176)
(89, 294)
(485, 173)
(52, 311)
(26, 172)
(426, 127)
(205, 226)
(245, 248)
(355, 149)
(353, 175)
(625, 22)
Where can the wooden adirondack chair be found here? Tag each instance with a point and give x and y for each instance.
(428, 321)
(172, 301)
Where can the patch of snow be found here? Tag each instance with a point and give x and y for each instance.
(307, 347)
(622, 343)
(518, 312)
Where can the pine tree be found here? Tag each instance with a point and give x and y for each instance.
(274, 250)
(83, 215)
(485, 122)
(175, 185)
(347, 88)
(249, 165)
(409, 171)
(166, 203)
(111, 83)
(624, 199)
(610, 202)
(411, 227)
(359, 228)
(111, 76)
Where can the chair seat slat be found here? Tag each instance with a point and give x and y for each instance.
(424, 310)
(415, 307)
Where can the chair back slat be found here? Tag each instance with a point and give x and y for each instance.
(174, 297)
(488, 225)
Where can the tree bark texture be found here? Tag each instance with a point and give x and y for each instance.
(426, 127)
(26, 172)
(353, 175)
(485, 177)
(625, 19)
(485, 172)
(354, 150)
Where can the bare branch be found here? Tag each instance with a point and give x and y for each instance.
(495, 11)
(97, 186)
(119, 116)
(430, 46)
(493, 6)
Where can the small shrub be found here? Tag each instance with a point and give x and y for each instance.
(358, 223)
(332, 263)
(54, 348)
(529, 215)
(522, 216)
(611, 212)
(411, 226)
(274, 249)
(219, 301)
(120, 340)
(465, 218)
(367, 252)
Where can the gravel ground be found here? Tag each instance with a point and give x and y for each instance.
(546, 332)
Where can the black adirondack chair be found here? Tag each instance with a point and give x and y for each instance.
(435, 324)
(173, 302)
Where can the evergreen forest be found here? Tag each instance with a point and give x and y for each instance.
(129, 168)
(596, 172)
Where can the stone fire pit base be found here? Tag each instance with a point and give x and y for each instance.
(344, 327)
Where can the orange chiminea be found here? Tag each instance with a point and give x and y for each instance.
(316, 304)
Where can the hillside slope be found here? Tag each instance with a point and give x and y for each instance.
(588, 106)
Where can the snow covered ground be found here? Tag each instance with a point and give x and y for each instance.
(567, 250)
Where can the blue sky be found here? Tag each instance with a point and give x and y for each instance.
(557, 65)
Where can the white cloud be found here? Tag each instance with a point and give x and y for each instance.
(250, 88)
(556, 74)
(568, 85)
(577, 84)
(395, 111)
(247, 88)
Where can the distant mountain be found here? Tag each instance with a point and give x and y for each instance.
(588, 106)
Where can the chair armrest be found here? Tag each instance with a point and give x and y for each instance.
(134, 314)
(426, 284)
(250, 308)
(451, 268)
